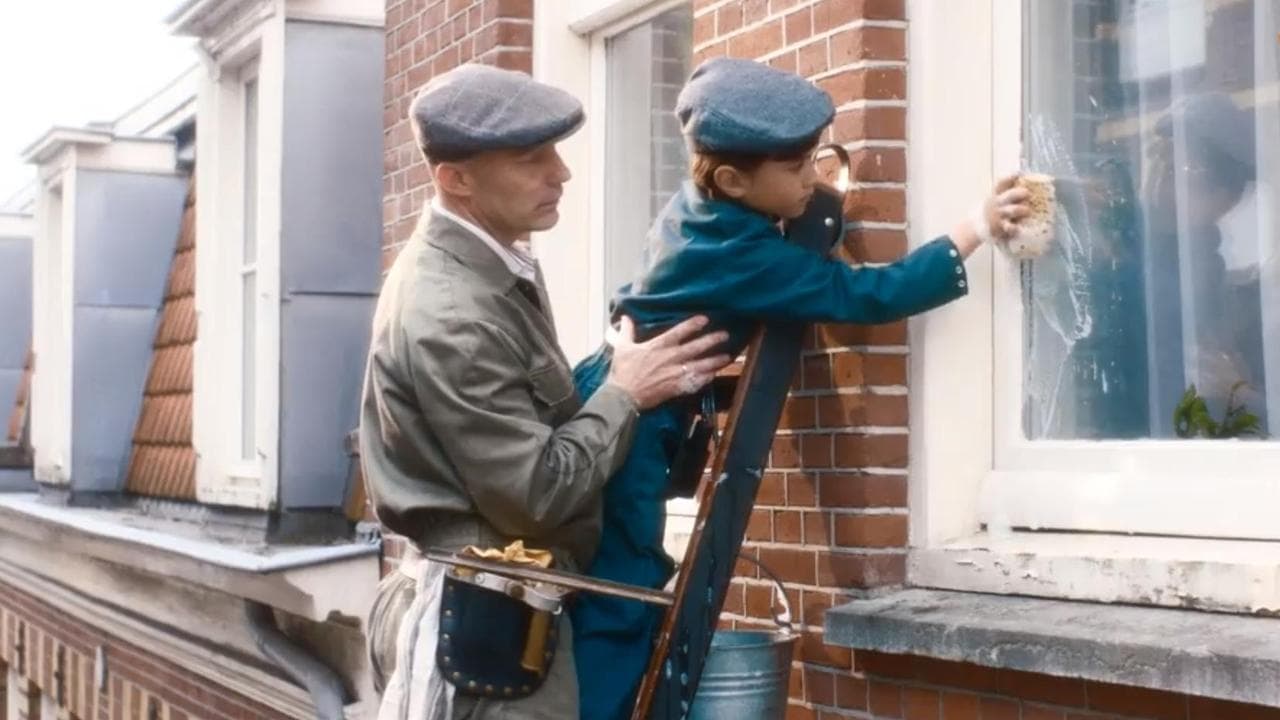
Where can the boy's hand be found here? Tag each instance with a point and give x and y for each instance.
(996, 219)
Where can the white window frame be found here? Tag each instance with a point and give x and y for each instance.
(569, 52)
(1136, 479)
(974, 481)
(53, 285)
(249, 46)
(59, 154)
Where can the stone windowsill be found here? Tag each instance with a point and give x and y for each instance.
(1230, 657)
(299, 579)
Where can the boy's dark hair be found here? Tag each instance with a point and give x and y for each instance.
(703, 163)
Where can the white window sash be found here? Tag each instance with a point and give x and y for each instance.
(224, 475)
(1154, 486)
(248, 267)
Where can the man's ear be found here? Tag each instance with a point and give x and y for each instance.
(452, 178)
(731, 181)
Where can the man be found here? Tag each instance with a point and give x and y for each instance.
(471, 432)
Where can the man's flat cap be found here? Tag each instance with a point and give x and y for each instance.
(741, 106)
(474, 108)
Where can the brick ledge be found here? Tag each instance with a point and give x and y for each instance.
(1230, 657)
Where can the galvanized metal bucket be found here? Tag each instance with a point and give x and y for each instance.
(747, 672)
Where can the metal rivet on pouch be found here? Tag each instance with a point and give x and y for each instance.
(524, 689)
(457, 676)
(472, 685)
(507, 691)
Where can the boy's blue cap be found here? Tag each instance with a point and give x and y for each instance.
(475, 108)
(741, 106)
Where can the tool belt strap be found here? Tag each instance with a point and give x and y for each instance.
(540, 597)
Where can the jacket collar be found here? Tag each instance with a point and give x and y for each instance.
(452, 237)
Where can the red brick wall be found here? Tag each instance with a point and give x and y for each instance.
(136, 682)
(831, 517)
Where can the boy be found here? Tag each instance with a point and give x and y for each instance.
(716, 249)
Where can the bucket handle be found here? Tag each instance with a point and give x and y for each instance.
(781, 618)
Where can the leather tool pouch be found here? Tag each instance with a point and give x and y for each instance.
(493, 644)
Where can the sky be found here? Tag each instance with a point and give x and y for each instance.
(69, 62)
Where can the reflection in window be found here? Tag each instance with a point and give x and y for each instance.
(1163, 130)
(645, 156)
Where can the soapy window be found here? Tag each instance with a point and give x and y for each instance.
(1156, 312)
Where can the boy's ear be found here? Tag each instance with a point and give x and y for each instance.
(731, 181)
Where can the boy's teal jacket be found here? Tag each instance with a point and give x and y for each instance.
(729, 262)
